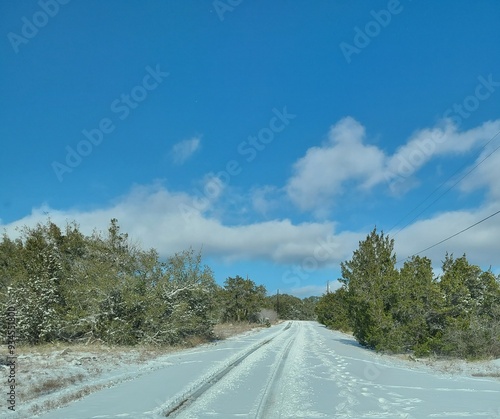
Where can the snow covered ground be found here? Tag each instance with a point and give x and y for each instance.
(296, 370)
(49, 376)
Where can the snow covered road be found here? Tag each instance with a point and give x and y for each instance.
(293, 370)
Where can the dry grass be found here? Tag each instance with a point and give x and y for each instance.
(455, 366)
(487, 374)
(193, 341)
(53, 384)
(93, 351)
(63, 400)
(226, 330)
(42, 370)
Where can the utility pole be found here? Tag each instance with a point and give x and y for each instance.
(328, 287)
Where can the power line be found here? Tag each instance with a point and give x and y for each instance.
(447, 190)
(450, 237)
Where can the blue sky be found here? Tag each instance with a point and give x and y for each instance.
(272, 135)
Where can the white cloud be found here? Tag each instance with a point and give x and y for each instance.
(307, 291)
(480, 243)
(185, 149)
(487, 172)
(426, 144)
(318, 290)
(321, 175)
(212, 187)
(171, 222)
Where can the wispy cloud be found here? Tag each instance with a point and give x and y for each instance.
(183, 150)
(265, 199)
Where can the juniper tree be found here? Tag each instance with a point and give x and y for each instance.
(370, 276)
(416, 313)
(333, 310)
(35, 292)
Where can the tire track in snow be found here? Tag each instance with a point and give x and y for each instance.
(295, 382)
(272, 399)
(198, 389)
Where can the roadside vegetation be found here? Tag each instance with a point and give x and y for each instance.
(409, 309)
(69, 287)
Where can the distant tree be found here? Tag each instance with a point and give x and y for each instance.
(289, 307)
(309, 307)
(333, 310)
(489, 297)
(11, 261)
(461, 287)
(242, 299)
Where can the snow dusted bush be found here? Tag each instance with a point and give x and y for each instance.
(35, 291)
(71, 287)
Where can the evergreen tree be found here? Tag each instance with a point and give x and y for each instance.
(35, 292)
(333, 310)
(242, 299)
(416, 313)
(471, 301)
(370, 276)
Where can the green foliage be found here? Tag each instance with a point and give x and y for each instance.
(333, 310)
(416, 311)
(183, 299)
(34, 287)
(457, 314)
(241, 299)
(461, 288)
(289, 307)
(309, 307)
(68, 286)
(471, 309)
(370, 276)
(72, 287)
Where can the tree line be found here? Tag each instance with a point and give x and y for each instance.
(412, 310)
(71, 287)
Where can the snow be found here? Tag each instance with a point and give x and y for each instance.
(305, 371)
